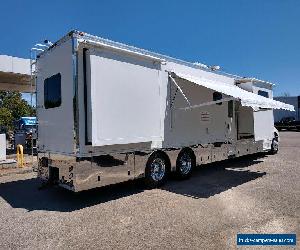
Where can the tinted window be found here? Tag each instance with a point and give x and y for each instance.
(52, 91)
(263, 93)
(217, 96)
(230, 108)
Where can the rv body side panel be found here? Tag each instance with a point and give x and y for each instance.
(124, 106)
(264, 119)
(202, 125)
(54, 82)
(261, 87)
(124, 99)
(86, 149)
(264, 127)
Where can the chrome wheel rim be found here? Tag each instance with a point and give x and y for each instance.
(185, 163)
(158, 169)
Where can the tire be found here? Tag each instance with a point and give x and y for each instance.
(156, 170)
(274, 146)
(185, 164)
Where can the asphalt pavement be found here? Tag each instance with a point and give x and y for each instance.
(253, 194)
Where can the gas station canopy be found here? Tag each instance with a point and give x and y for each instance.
(15, 74)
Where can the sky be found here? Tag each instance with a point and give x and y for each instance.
(250, 38)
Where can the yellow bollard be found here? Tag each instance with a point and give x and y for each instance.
(20, 156)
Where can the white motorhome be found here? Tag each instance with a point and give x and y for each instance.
(108, 113)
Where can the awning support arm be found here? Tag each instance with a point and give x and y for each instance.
(208, 103)
(178, 87)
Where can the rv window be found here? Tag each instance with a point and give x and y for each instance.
(230, 109)
(263, 93)
(217, 96)
(52, 91)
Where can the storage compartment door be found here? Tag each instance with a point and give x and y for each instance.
(124, 98)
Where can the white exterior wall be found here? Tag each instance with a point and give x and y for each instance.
(14, 65)
(187, 128)
(246, 86)
(264, 127)
(190, 127)
(125, 99)
(205, 124)
(263, 120)
(15, 74)
(56, 126)
(128, 105)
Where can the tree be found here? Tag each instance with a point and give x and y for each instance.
(12, 107)
(5, 118)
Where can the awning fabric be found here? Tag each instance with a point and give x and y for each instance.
(247, 98)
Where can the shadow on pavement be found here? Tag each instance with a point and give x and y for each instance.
(216, 178)
(206, 181)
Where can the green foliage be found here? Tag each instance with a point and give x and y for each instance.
(12, 107)
(5, 117)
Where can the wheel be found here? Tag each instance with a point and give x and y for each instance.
(274, 146)
(156, 170)
(185, 164)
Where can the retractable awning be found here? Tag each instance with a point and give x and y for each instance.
(247, 98)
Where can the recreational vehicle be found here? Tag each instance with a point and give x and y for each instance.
(109, 113)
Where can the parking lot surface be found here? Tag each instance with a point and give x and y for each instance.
(256, 194)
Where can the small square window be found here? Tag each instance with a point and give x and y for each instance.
(52, 91)
(217, 96)
(263, 93)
